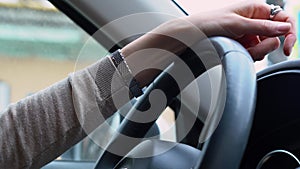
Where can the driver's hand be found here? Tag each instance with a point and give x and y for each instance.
(247, 22)
(250, 24)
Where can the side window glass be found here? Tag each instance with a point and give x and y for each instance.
(4, 95)
(39, 46)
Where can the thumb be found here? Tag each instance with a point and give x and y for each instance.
(266, 27)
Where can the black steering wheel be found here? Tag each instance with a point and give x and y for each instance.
(225, 148)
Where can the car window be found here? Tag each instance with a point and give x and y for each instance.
(39, 46)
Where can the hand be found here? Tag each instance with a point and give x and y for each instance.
(246, 22)
(249, 24)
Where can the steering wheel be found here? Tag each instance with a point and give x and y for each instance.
(225, 148)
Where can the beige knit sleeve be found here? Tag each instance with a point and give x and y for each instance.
(37, 129)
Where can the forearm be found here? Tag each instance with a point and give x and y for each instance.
(39, 128)
(159, 48)
(35, 130)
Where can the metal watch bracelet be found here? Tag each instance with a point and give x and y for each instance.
(125, 72)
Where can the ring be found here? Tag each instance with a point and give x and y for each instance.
(275, 9)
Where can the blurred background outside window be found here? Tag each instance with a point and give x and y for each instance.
(39, 46)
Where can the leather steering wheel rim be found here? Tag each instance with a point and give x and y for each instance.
(236, 121)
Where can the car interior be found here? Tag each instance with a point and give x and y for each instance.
(225, 115)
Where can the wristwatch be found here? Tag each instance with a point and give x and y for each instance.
(125, 72)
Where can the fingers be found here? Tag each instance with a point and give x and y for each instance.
(275, 28)
(255, 10)
(266, 27)
(290, 36)
(249, 41)
(266, 46)
(257, 22)
(289, 43)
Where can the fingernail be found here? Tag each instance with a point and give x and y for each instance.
(283, 27)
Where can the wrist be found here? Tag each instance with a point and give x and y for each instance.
(123, 69)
